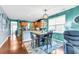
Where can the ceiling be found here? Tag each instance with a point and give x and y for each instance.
(32, 12)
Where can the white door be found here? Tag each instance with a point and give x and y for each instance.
(13, 30)
(13, 27)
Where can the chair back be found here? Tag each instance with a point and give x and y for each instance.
(72, 38)
(34, 38)
(50, 34)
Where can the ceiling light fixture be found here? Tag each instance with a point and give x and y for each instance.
(45, 16)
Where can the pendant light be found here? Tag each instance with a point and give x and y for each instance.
(45, 16)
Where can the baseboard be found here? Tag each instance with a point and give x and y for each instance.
(4, 41)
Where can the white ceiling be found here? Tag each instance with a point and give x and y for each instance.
(32, 12)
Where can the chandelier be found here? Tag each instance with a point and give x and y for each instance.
(45, 16)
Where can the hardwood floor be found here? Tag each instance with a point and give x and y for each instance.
(13, 45)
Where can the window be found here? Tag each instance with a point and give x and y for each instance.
(57, 24)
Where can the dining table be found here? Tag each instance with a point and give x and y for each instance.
(39, 32)
(56, 44)
(39, 35)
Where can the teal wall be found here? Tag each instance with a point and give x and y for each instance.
(70, 15)
(70, 25)
(58, 36)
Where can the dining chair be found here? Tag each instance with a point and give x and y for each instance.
(47, 40)
(34, 41)
(72, 42)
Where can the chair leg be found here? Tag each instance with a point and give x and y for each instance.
(32, 44)
(47, 45)
(68, 49)
(50, 43)
(65, 51)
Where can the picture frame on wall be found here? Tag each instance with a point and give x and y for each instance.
(76, 19)
(4, 21)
